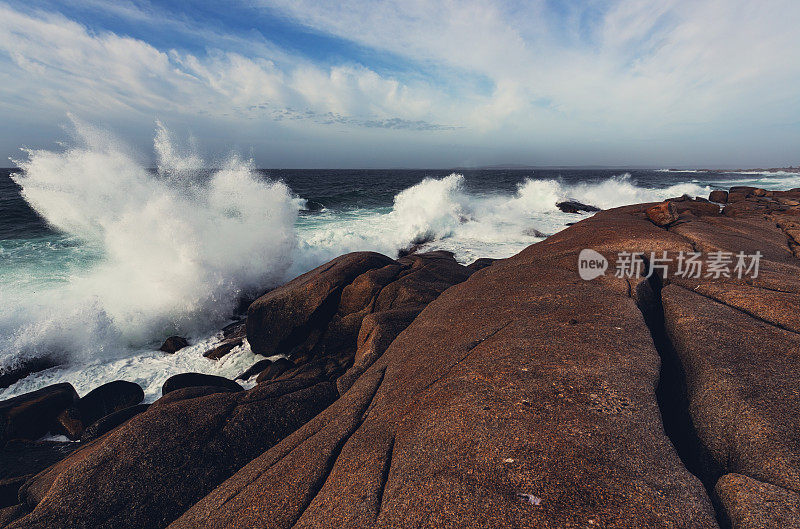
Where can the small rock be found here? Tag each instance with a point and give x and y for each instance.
(573, 206)
(223, 348)
(186, 380)
(173, 344)
(533, 232)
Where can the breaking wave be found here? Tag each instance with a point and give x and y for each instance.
(162, 251)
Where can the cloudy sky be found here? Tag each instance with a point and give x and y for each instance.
(411, 83)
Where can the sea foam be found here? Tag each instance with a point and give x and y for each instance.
(176, 247)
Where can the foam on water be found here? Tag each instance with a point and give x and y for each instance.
(471, 225)
(171, 251)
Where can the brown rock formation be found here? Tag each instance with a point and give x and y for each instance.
(31, 415)
(521, 397)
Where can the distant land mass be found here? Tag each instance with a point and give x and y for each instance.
(789, 169)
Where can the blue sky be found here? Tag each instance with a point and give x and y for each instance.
(411, 83)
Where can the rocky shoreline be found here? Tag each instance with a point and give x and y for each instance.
(420, 392)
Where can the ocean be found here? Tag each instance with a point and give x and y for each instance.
(102, 256)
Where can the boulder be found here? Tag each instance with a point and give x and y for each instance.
(98, 403)
(573, 206)
(718, 196)
(662, 214)
(185, 380)
(148, 471)
(191, 392)
(111, 421)
(736, 196)
(378, 331)
(173, 344)
(32, 415)
(283, 318)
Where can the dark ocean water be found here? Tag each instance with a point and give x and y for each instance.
(352, 189)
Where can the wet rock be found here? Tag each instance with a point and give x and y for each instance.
(481, 263)
(24, 368)
(223, 348)
(235, 329)
(173, 344)
(719, 196)
(98, 403)
(533, 232)
(274, 370)
(185, 380)
(573, 206)
(255, 369)
(662, 214)
(151, 469)
(30, 416)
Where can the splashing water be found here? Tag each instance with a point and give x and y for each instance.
(174, 249)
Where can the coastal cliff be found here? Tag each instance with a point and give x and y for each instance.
(420, 392)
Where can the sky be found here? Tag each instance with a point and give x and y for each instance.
(413, 83)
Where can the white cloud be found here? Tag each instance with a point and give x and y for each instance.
(599, 76)
(67, 67)
(636, 63)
